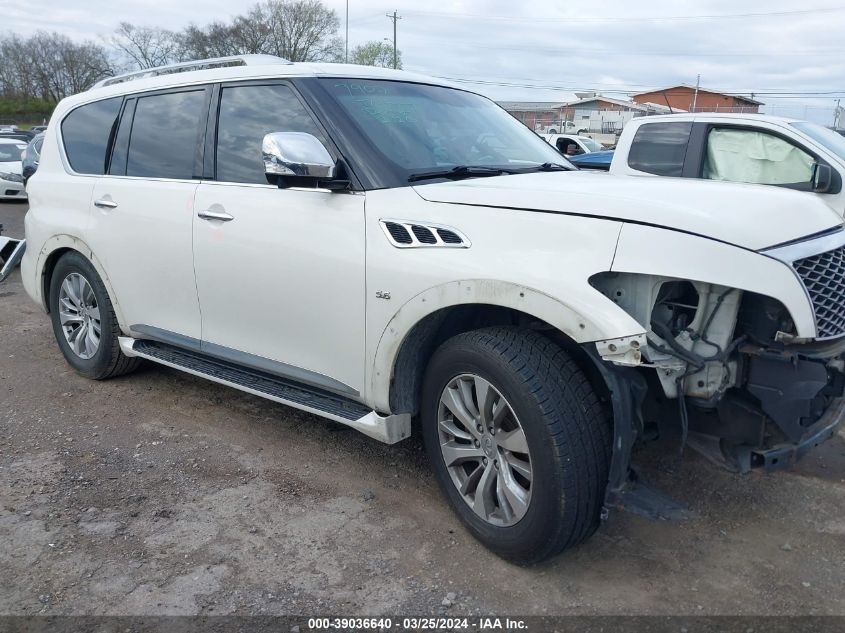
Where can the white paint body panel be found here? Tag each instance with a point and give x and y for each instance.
(747, 215)
(145, 245)
(284, 280)
(619, 166)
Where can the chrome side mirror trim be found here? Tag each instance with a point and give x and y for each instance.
(296, 154)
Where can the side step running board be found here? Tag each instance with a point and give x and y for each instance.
(389, 429)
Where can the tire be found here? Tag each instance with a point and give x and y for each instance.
(105, 360)
(567, 431)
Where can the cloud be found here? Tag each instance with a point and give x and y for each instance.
(556, 47)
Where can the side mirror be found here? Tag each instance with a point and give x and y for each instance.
(297, 155)
(822, 178)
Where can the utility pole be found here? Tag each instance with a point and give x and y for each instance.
(395, 17)
(346, 55)
(836, 114)
(695, 96)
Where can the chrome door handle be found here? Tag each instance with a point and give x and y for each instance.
(104, 203)
(208, 214)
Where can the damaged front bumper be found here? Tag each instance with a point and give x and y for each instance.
(785, 455)
(11, 253)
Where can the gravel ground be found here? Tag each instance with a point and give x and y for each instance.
(159, 493)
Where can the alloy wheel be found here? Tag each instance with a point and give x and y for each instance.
(485, 450)
(79, 315)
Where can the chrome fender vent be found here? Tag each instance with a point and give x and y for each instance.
(407, 234)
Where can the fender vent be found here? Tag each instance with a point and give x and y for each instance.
(423, 234)
(398, 232)
(404, 234)
(448, 236)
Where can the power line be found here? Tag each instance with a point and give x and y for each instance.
(626, 87)
(576, 49)
(749, 93)
(724, 16)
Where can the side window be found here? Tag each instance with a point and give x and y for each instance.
(740, 155)
(660, 148)
(163, 141)
(86, 131)
(247, 113)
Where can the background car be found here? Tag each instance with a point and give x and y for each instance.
(594, 160)
(573, 144)
(749, 148)
(30, 157)
(37, 129)
(11, 170)
(20, 135)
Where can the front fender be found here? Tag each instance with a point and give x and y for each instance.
(605, 321)
(654, 251)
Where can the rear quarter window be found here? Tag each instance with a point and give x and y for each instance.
(660, 148)
(86, 132)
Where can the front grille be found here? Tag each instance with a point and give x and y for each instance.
(824, 277)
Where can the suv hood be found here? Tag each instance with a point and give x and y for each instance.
(750, 216)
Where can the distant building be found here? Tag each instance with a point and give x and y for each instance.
(682, 97)
(592, 113)
(536, 115)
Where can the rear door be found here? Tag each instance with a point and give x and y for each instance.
(143, 209)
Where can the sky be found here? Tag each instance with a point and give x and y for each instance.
(790, 55)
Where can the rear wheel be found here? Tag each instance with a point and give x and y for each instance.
(518, 439)
(84, 322)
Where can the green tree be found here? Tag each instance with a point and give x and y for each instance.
(375, 53)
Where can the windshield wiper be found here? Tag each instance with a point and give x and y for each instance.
(545, 167)
(459, 172)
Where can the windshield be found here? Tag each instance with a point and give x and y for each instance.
(823, 136)
(590, 144)
(419, 128)
(10, 153)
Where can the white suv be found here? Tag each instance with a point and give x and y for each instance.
(374, 247)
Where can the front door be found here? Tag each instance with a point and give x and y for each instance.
(279, 272)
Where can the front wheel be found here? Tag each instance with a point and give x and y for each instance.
(84, 322)
(518, 440)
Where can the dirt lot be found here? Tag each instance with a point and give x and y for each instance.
(159, 493)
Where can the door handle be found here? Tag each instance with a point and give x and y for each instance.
(209, 214)
(105, 203)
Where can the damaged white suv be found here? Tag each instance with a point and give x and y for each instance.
(374, 247)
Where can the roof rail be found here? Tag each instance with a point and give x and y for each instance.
(183, 67)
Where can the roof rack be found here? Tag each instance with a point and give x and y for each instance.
(200, 64)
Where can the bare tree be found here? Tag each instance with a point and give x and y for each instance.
(49, 66)
(147, 47)
(375, 53)
(298, 30)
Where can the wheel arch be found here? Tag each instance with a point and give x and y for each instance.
(53, 250)
(428, 319)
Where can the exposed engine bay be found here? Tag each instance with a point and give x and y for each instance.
(726, 374)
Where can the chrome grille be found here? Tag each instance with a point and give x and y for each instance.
(824, 277)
